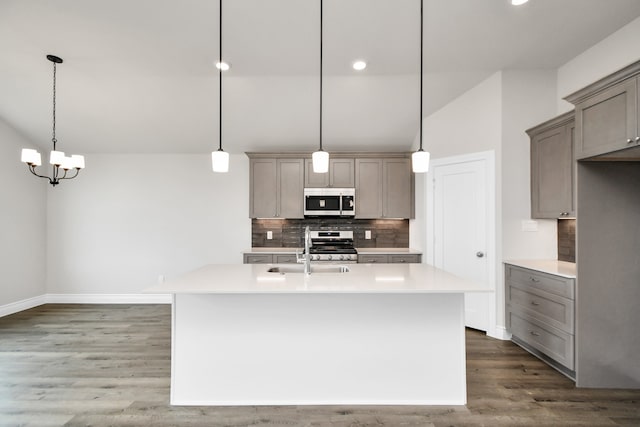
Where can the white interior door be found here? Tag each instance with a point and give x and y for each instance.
(461, 226)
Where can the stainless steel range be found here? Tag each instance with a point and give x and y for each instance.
(333, 246)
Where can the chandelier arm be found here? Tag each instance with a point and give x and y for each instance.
(32, 169)
(70, 177)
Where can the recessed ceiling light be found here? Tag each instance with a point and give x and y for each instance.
(359, 65)
(222, 66)
(518, 2)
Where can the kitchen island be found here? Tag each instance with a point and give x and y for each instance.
(375, 334)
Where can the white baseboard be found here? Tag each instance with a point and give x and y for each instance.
(500, 332)
(28, 303)
(108, 298)
(25, 304)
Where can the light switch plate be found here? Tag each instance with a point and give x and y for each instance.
(367, 234)
(529, 225)
(269, 235)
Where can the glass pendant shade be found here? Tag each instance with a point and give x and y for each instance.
(30, 156)
(320, 162)
(220, 161)
(420, 161)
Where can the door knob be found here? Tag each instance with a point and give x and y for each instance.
(479, 254)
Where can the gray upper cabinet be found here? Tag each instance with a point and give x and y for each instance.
(368, 188)
(384, 188)
(276, 188)
(397, 188)
(552, 168)
(607, 114)
(263, 188)
(341, 174)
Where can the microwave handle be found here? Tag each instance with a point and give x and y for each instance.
(340, 204)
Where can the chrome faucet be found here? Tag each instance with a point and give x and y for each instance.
(306, 256)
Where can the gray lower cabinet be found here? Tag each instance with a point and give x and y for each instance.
(257, 258)
(540, 314)
(552, 168)
(341, 174)
(389, 258)
(276, 188)
(268, 258)
(607, 114)
(384, 188)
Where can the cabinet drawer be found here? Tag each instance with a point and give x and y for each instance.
(551, 341)
(377, 259)
(258, 258)
(284, 258)
(404, 258)
(536, 280)
(549, 308)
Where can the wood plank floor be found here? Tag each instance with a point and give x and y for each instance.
(109, 365)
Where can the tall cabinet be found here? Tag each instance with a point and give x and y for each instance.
(608, 236)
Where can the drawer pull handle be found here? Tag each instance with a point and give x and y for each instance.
(534, 333)
(533, 279)
(535, 303)
(403, 260)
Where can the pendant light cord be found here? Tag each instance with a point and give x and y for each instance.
(321, 12)
(421, 38)
(220, 80)
(53, 137)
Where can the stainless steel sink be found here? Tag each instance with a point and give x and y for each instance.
(314, 269)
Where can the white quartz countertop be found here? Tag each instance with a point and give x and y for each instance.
(551, 266)
(362, 278)
(375, 251)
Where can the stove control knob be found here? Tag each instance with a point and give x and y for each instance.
(341, 257)
(329, 257)
(315, 257)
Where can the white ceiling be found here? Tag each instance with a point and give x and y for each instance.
(139, 77)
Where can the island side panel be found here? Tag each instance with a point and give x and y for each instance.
(310, 349)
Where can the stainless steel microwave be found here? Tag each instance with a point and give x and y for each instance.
(338, 202)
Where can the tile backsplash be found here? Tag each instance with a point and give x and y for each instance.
(567, 240)
(385, 233)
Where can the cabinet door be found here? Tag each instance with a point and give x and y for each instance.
(341, 173)
(290, 188)
(263, 188)
(552, 173)
(608, 121)
(368, 188)
(397, 188)
(312, 179)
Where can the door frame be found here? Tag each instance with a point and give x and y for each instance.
(490, 251)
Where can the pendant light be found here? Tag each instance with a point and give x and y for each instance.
(420, 159)
(57, 159)
(320, 158)
(220, 158)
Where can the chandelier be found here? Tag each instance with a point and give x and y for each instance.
(61, 164)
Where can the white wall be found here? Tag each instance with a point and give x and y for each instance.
(611, 54)
(22, 222)
(129, 218)
(528, 98)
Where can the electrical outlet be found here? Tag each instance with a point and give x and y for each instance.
(529, 225)
(367, 234)
(269, 235)
(160, 278)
